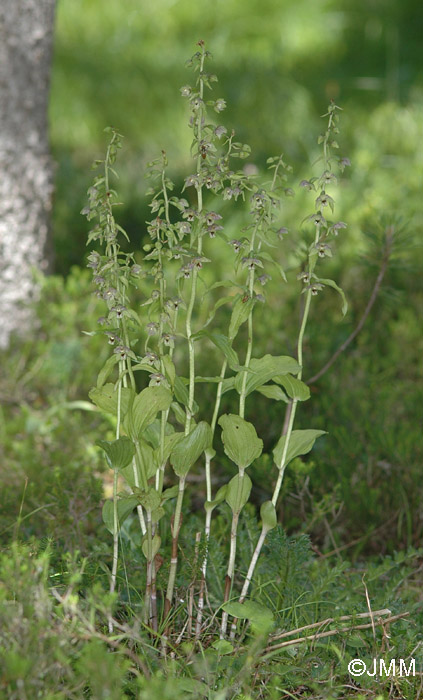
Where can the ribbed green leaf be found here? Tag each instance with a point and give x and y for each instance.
(331, 283)
(145, 408)
(261, 617)
(240, 440)
(225, 346)
(295, 388)
(149, 498)
(187, 451)
(240, 312)
(169, 369)
(238, 492)
(106, 370)
(125, 506)
(119, 452)
(220, 497)
(106, 398)
(264, 369)
(300, 443)
(155, 546)
(181, 393)
(169, 443)
(149, 463)
(271, 391)
(268, 516)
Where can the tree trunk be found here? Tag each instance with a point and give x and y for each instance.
(26, 38)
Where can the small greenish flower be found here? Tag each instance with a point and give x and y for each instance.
(186, 91)
(237, 245)
(94, 260)
(219, 105)
(304, 277)
(318, 219)
(112, 338)
(324, 200)
(196, 103)
(191, 181)
(152, 328)
(212, 230)
(184, 227)
(110, 294)
(211, 217)
(323, 250)
(151, 358)
(251, 263)
(122, 350)
(220, 131)
(328, 178)
(119, 310)
(185, 271)
(315, 288)
(157, 379)
(198, 262)
(189, 214)
(281, 232)
(263, 279)
(168, 340)
(258, 200)
(307, 185)
(336, 227)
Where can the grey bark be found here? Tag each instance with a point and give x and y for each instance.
(26, 38)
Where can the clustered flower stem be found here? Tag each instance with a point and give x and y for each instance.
(292, 407)
(146, 436)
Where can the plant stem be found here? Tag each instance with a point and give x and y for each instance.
(115, 508)
(176, 525)
(282, 465)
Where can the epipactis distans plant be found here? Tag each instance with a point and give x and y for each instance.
(161, 431)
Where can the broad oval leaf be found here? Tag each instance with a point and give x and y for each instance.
(182, 395)
(220, 497)
(262, 370)
(169, 443)
(186, 452)
(300, 443)
(331, 283)
(147, 455)
(118, 452)
(149, 498)
(268, 516)
(145, 407)
(249, 610)
(240, 312)
(169, 369)
(238, 492)
(106, 370)
(125, 506)
(155, 546)
(272, 391)
(106, 399)
(240, 440)
(225, 346)
(261, 618)
(223, 647)
(295, 388)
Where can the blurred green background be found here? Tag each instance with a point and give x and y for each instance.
(121, 63)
